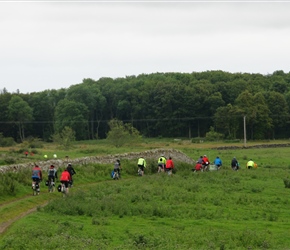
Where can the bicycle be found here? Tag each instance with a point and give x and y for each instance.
(139, 172)
(50, 185)
(205, 167)
(64, 189)
(116, 175)
(35, 187)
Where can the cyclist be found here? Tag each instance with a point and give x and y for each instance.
(169, 166)
(205, 162)
(161, 163)
(198, 167)
(141, 165)
(235, 164)
(65, 179)
(117, 167)
(218, 162)
(250, 164)
(71, 170)
(52, 174)
(36, 178)
(200, 159)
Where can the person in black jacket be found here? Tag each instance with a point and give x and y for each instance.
(235, 164)
(72, 172)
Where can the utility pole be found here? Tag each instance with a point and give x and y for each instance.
(245, 133)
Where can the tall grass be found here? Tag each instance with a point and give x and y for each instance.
(248, 209)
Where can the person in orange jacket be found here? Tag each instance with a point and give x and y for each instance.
(169, 166)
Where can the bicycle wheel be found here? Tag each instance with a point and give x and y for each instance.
(33, 189)
(139, 172)
(63, 190)
(51, 186)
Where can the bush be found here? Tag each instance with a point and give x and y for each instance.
(287, 182)
(213, 136)
(9, 160)
(232, 141)
(198, 140)
(7, 142)
(35, 143)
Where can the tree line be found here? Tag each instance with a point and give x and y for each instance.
(157, 105)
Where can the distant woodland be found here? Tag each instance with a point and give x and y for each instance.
(179, 105)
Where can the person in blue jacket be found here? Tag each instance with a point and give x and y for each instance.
(218, 162)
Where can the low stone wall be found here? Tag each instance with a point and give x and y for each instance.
(176, 155)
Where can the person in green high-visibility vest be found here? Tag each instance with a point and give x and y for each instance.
(161, 163)
(141, 165)
(250, 164)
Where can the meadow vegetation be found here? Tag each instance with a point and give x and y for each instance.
(247, 209)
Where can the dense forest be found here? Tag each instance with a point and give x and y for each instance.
(157, 105)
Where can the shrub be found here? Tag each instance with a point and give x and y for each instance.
(9, 160)
(7, 142)
(121, 133)
(213, 135)
(198, 140)
(35, 143)
(287, 182)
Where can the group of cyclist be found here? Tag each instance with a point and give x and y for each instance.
(164, 165)
(203, 163)
(65, 177)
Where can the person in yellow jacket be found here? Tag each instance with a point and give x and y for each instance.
(250, 164)
(141, 165)
(161, 163)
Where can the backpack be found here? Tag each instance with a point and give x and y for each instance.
(51, 172)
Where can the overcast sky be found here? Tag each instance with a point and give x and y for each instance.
(56, 44)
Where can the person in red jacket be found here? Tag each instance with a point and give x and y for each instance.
(169, 166)
(65, 179)
(205, 163)
(198, 167)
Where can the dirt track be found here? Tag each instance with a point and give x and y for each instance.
(6, 224)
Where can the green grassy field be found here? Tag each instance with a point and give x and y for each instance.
(247, 209)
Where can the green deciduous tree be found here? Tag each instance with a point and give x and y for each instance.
(227, 120)
(65, 138)
(20, 113)
(74, 115)
(278, 109)
(257, 113)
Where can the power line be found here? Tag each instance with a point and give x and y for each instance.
(137, 120)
